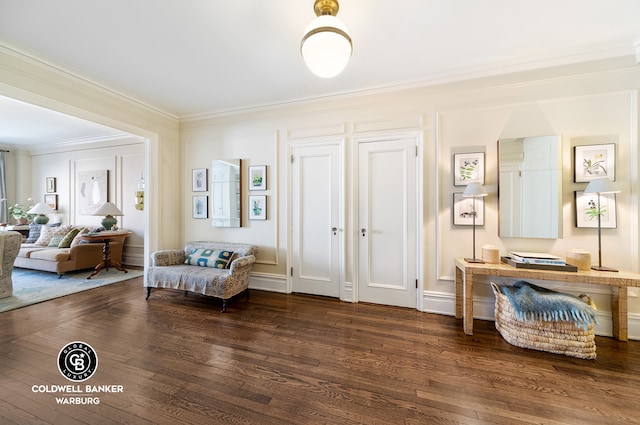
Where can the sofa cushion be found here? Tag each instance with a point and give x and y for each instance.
(55, 241)
(66, 240)
(78, 238)
(34, 233)
(204, 257)
(51, 254)
(48, 232)
(27, 249)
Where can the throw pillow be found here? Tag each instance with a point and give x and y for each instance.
(55, 241)
(48, 232)
(78, 238)
(205, 257)
(65, 242)
(34, 233)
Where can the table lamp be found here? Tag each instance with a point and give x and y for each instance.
(600, 186)
(474, 190)
(109, 210)
(41, 209)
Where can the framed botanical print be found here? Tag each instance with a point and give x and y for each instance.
(467, 168)
(258, 177)
(594, 161)
(201, 207)
(463, 210)
(587, 210)
(51, 184)
(257, 207)
(51, 200)
(199, 180)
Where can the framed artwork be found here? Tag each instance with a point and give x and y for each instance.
(199, 180)
(258, 177)
(463, 210)
(51, 184)
(257, 207)
(93, 190)
(52, 201)
(587, 210)
(594, 161)
(201, 206)
(467, 168)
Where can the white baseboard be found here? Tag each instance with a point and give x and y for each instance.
(268, 282)
(483, 308)
(443, 303)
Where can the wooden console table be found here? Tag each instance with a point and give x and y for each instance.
(106, 237)
(618, 281)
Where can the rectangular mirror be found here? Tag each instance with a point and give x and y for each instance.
(226, 206)
(530, 187)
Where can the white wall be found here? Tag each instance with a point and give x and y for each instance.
(124, 160)
(584, 107)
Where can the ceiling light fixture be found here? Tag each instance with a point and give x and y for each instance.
(326, 46)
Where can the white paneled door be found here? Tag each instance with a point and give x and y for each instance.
(387, 211)
(316, 233)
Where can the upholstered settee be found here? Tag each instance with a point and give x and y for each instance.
(216, 269)
(9, 246)
(60, 249)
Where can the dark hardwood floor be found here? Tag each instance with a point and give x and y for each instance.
(295, 359)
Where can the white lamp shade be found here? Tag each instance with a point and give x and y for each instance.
(474, 189)
(108, 208)
(601, 185)
(326, 46)
(41, 208)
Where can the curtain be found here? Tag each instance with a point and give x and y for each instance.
(3, 190)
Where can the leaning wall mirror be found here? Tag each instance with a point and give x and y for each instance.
(530, 187)
(225, 193)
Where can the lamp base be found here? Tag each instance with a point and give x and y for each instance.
(474, 260)
(108, 222)
(603, 269)
(41, 219)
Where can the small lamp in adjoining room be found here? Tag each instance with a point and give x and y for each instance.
(109, 210)
(600, 186)
(41, 209)
(474, 190)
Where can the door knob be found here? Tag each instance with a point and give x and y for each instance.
(334, 230)
(363, 230)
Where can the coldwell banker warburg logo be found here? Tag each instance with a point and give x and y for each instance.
(77, 362)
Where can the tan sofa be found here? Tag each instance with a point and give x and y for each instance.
(42, 255)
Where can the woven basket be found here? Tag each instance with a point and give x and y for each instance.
(558, 337)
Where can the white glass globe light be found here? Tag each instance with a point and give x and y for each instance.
(326, 46)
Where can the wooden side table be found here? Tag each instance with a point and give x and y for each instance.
(106, 237)
(618, 281)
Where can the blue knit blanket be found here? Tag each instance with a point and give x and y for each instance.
(532, 302)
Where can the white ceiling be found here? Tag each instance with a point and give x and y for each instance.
(200, 57)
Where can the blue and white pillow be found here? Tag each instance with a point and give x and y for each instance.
(205, 257)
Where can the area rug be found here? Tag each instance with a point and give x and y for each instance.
(31, 286)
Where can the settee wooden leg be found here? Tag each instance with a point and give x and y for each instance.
(247, 290)
(148, 292)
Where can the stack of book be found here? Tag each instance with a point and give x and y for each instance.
(537, 260)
